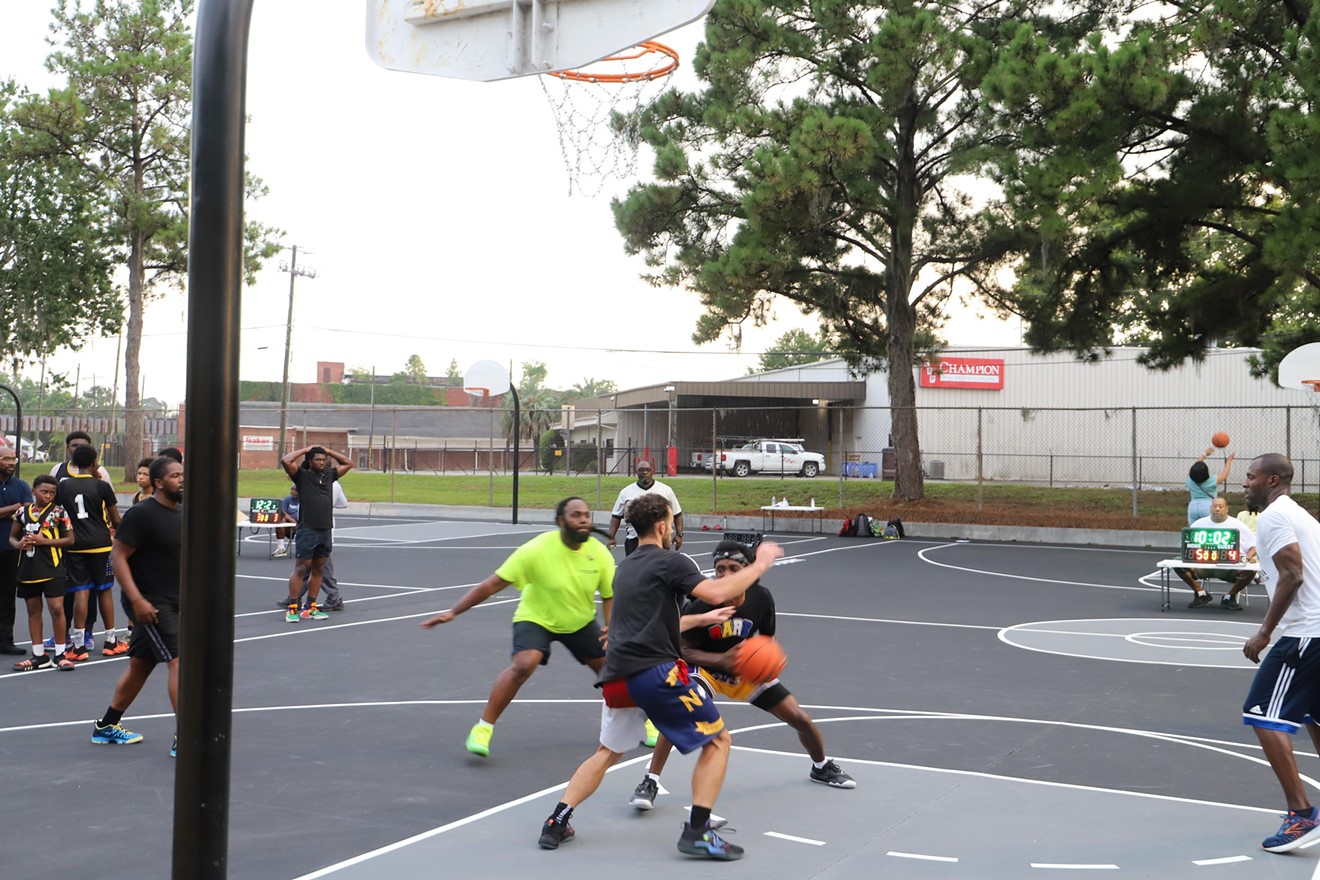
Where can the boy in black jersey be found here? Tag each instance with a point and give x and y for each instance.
(94, 511)
(147, 559)
(40, 532)
(711, 636)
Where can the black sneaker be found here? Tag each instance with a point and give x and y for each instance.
(40, 661)
(1228, 603)
(1201, 600)
(644, 794)
(831, 775)
(336, 606)
(707, 844)
(554, 833)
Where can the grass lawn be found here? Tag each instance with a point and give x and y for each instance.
(945, 502)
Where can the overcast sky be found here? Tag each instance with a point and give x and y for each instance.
(437, 216)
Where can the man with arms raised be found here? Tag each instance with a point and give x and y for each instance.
(312, 543)
(645, 676)
(1286, 691)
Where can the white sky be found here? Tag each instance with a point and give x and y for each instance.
(437, 217)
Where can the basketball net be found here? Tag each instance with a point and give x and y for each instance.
(592, 106)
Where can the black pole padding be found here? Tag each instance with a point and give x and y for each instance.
(517, 435)
(18, 432)
(215, 275)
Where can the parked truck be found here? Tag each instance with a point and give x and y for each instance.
(771, 457)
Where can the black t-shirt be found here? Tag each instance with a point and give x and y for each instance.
(316, 494)
(649, 587)
(755, 616)
(156, 534)
(86, 498)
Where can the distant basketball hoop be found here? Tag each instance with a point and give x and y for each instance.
(1299, 367)
(592, 104)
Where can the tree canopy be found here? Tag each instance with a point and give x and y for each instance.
(795, 348)
(1169, 175)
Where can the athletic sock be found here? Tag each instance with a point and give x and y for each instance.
(112, 716)
(482, 722)
(820, 764)
(563, 812)
(699, 818)
(654, 776)
(59, 649)
(1308, 813)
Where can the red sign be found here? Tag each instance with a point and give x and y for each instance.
(986, 374)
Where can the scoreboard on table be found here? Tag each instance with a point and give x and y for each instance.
(264, 510)
(1211, 545)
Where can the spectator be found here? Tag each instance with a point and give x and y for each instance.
(143, 481)
(1202, 488)
(40, 532)
(645, 485)
(1219, 519)
(313, 540)
(66, 468)
(14, 493)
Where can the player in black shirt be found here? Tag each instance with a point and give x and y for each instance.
(711, 636)
(314, 479)
(147, 557)
(40, 533)
(93, 509)
(644, 676)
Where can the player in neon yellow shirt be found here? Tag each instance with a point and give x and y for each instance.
(559, 574)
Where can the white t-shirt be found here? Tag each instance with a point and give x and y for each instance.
(1246, 537)
(1281, 524)
(631, 492)
(100, 472)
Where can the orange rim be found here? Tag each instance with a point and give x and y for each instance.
(668, 64)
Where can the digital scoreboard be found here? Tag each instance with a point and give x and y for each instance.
(1211, 545)
(265, 510)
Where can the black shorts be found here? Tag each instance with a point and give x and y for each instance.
(156, 642)
(84, 571)
(1285, 694)
(312, 543)
(48, 589)
(584, 644)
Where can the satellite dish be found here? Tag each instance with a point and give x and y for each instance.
(486, 379)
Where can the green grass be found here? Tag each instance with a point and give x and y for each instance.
(727, 495)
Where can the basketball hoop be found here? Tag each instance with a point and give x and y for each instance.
(591, 106)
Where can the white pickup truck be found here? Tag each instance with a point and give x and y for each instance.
(771, 457)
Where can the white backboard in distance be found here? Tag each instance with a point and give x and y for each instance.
(498, 39)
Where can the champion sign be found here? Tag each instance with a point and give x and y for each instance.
(986, 374)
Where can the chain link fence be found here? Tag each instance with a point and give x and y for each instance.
(810, 453)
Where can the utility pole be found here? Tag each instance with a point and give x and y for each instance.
(294, 271)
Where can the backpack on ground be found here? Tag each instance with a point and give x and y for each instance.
(861, 526)
(845, 531)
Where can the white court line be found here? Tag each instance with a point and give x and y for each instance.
(1224, 861)
(921, 554)
(924, 858)
(790, 837)
(1064, 867)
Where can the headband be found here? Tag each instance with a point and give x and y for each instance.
(731, 553)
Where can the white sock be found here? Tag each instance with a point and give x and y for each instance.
(820, 764)
(655, 776)
(484, 723)
(59, 649)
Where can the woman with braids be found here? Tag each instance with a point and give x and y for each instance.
(559, 574)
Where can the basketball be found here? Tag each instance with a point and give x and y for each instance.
(760, 658)
(1220, 440)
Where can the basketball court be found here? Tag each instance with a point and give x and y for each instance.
(1007, 710)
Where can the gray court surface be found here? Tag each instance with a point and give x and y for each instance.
(1008, 711)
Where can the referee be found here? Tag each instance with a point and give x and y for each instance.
(146, 559)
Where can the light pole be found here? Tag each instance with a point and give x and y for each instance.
(671, 454)
(294, 271)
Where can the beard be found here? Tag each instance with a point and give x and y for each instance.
(572, 536)
(175, 497)
(646, 483)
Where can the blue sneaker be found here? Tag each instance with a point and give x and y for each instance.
(1295, 831)
(50, 643)
(114, 734)
(88, 641)
(707, 844)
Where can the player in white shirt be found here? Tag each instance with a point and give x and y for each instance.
(646, 483)
(1219, 519)
(1286, 691)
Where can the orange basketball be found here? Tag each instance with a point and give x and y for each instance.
(1220, 440)
(760, 658)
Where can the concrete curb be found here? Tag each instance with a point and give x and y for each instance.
(784, 525)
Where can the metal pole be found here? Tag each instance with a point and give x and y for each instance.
(517, 431)
(215, 277)
(1136, 478)
(18, 430)
(288, 341)
(980, 468)
(600, 454)
(842, 456)
(394, 448)
(714, 463)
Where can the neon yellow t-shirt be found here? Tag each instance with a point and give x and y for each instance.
(559, 585)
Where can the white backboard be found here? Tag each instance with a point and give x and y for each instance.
(1301, 367)
(498, 39)
(491, 377)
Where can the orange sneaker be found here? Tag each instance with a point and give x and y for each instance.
(115, 648)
